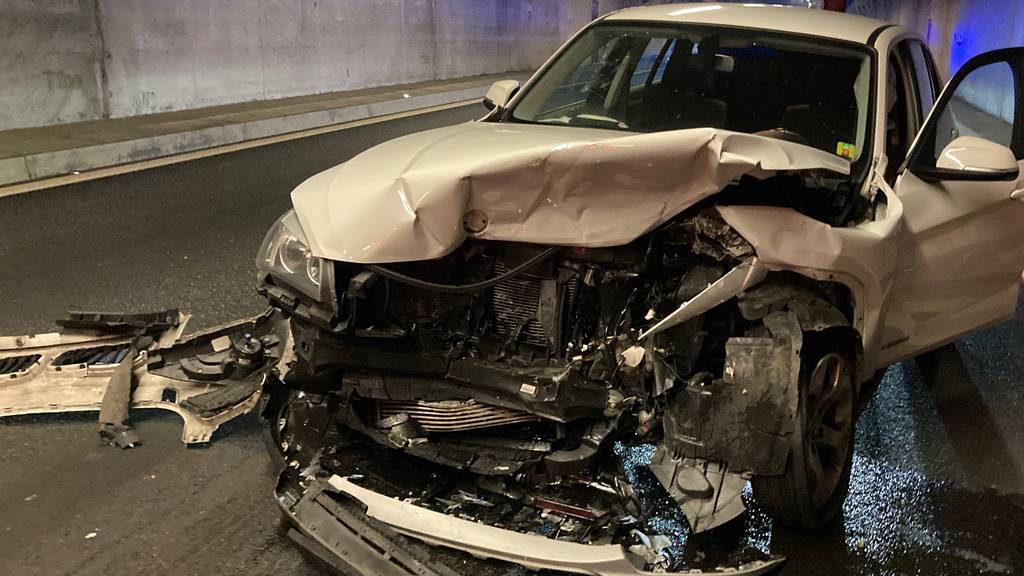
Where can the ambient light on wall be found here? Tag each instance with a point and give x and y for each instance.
(976, 26)
(959, 51)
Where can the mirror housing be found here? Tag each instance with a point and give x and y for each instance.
(500, 93)
(973, 158)
(973, 154)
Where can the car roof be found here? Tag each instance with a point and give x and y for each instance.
(794, 19)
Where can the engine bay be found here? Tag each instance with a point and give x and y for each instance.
(540, 367)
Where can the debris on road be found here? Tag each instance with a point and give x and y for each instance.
(115, 362)
(340, 492)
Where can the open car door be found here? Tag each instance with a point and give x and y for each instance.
(962, 252)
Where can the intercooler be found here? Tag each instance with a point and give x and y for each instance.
(453, 415)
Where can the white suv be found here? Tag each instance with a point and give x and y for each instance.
(700, 228)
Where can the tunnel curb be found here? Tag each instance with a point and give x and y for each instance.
(26, 170)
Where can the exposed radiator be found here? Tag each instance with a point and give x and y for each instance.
(453, 415)
(516, 306)
(523, 307)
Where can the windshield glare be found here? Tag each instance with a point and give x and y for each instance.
(656, 78)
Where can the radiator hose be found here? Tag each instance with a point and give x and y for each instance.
(463, 288)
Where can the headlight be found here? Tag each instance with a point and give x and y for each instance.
(285, 255)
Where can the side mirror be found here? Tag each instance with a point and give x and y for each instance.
(500, 93)
(973, 158)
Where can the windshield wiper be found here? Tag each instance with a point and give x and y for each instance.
(596, 121)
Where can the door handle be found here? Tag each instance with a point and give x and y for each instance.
(1017, 194)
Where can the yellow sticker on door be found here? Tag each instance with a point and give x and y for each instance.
(846, 150)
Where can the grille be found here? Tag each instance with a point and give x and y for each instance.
(454, 415)
(516, 303)
(92, 356)
(16, 364)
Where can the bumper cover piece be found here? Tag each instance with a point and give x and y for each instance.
(532, 551)
(144, 370)
(343, 540)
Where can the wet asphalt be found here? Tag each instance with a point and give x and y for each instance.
(938, 480)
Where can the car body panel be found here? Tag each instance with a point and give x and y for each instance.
(959, 261)
(862, 258)
(405, 200)
(793, 19)
(958, 266)
(76, 371)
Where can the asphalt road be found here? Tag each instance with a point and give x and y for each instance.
(938, 484)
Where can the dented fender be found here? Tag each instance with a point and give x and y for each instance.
(861, 257)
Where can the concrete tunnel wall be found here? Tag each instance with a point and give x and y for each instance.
(174, 55)
(50, 56)
(956, 31)
(71, 60)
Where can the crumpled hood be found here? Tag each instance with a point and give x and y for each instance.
(406, 199)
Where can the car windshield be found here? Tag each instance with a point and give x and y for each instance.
(649, 78)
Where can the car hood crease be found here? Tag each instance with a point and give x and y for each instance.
(406, 200)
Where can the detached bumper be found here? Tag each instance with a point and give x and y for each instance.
(117, 362)
(370, 542)
(342, 537)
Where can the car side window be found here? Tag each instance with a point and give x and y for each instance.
(900, 118)
(923, 77)
(983, 105)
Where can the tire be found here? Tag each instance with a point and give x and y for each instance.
(811, 492)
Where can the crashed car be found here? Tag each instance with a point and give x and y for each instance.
(702, 229)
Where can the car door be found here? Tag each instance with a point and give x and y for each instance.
(961, 252)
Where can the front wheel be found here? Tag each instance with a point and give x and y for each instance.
(810, 493)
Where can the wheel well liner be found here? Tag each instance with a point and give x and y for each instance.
(820, 306)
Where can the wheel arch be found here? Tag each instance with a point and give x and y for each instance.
(825, 307)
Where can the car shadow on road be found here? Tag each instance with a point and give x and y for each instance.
(977, 440)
